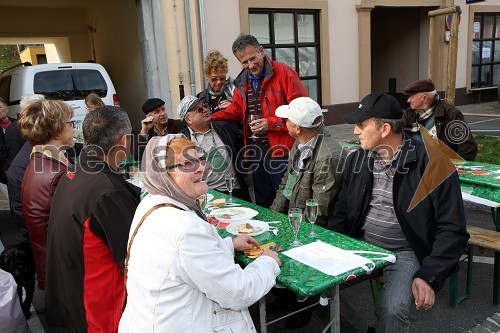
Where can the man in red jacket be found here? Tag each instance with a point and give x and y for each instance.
(262, 86)
(92, 209)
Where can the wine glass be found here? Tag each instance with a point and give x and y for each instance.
(295, 218)
(251, 118)
(230, 186)
(202, 202)
(312, 214)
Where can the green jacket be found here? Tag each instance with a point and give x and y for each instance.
(320, 178)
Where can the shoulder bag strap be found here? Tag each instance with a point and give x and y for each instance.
(125, 268)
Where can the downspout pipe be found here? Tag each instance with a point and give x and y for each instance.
(201, 6)
(192, 80)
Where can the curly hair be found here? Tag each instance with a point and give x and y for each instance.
(215, 61)
(42, 120)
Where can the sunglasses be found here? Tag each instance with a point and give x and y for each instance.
(190, 164)
(220, 79)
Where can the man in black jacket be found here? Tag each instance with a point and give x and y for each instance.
(380, 181)
(442, 120)
(221, 143)
(155, 123)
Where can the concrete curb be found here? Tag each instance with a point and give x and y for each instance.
(481, 115)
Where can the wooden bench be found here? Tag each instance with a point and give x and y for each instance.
(486, 239)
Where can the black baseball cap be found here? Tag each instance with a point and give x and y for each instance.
(375, 105)
(152, 104)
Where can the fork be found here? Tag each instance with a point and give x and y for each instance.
(274, 230)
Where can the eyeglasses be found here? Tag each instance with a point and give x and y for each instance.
(72, 123)
(214, 79)
(190, 164)
(200, 109)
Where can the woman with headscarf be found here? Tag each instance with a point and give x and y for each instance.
(219, 92)
(180, 274)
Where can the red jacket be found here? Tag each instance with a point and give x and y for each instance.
(281, 85)
(39, 183)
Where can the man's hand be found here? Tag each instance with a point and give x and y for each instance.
(423, 293)
(146, 124)
(244, 242)
(259, 126)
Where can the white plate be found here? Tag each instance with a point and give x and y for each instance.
(210, 197)
(259, 227)
(236, 213)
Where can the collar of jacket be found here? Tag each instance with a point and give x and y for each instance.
(94, 164)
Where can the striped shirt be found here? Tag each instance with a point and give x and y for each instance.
(381, 225)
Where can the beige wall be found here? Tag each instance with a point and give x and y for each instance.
(174, 17)
(222, 22)
(117, 48)
(48, 24)
(29, 54)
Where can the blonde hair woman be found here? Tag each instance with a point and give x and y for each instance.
(219, 93)
(47, 125)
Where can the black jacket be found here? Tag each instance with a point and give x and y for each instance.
(92, 210)
(232, 137)
(449, 122)
(435, 228)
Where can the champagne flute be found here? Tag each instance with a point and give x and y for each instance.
(251, 118)
(230, 186)
(202, 202)
(295, 218)
(312, 214)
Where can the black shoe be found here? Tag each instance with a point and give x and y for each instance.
(370, 329)
(300, 319)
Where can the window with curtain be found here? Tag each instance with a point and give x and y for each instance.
(291, 36)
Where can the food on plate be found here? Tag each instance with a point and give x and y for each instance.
(219, 203)
(226, 213)
(244, 229)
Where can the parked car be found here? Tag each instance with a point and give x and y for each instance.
(70, 82)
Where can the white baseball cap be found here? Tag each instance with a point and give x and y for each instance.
(302, 111)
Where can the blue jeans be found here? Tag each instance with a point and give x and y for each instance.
(393, 308)
(267, 178)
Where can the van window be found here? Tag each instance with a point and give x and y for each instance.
(69, 84)
(5, 88)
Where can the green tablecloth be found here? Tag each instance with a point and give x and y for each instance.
(480, 179)
(300, 278)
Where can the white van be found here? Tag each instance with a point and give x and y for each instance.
(70, 82)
